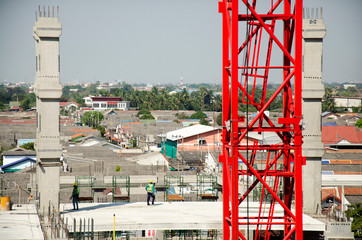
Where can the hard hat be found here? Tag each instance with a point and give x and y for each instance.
(151, 180)
(75, 184)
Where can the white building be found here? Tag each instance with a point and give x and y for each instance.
(348, 102)
(103, 103)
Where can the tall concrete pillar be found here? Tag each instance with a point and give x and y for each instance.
(314, 31)
(48, 91)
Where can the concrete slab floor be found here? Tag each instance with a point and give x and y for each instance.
(165, 216)
(139, 216)
(20, 223)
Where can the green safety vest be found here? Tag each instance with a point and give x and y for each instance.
(150, 188)
(75, 192)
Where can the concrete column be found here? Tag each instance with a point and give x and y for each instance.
(314, 31)
(48, 91)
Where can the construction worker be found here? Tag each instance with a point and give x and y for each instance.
(150, 188)
(75, 195)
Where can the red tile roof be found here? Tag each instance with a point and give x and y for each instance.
(106, 99)
(327, 192)
(62, 104)
(334, 134)
(78, 134)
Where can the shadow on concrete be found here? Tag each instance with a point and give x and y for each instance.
(96, 206)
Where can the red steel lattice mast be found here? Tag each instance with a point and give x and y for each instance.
(271, 173)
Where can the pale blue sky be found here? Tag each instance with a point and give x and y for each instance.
(140, 41)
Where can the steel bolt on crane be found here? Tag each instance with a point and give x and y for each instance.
(246, 65)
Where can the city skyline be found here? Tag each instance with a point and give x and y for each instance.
(154, 41)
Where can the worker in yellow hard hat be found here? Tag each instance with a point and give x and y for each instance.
(150, 188)
(75, 196)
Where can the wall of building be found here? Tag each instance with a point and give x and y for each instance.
(11, 159)
(348, 102)
(206, 141)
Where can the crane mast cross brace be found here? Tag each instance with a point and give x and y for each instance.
(260, 177)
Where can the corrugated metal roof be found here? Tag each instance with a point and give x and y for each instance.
(4, 167)
(188, 132)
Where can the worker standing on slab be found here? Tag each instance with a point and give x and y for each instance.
(150, 188)
(75, 195)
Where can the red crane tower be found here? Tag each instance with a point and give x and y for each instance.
(271, 172)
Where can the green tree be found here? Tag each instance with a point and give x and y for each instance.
(28, 102)
(181, 115)
(203, 121)
(355, 211)
(101, 129)
(328, 103)
(92, 118)
(80, 101)
(142, 111)
(147, 116)
(219, 119)
(359, 123)
(357, 109)
(28, 146)
(198, 115)
(2, 106)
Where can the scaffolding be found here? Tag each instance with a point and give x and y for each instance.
(191, 234)
(207, 188)
(174, 188)
(86, 183)
(121, 189)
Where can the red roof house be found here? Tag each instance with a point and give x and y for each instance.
(332, 135)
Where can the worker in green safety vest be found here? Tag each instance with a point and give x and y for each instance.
(75, 196)
(150, 188)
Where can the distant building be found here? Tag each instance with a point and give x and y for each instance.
(18, 165)
(347, 85)
(69, 105)
(14, 104)
(103, 103)
(348, 102)
(15, 109)
(17, 154)
(329, 115)
(193, 138)
(88, 101)
(342, 137)
(103, 87)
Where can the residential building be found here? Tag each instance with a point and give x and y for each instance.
(342, 137)
(348, 102)
(17, 154)
(194, 138)
(18, 165)
(103, 103)
(69, 106)
(349, 85)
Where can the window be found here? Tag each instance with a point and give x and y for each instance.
(112, 104)
(103, 105)
(202, 141)
(96, 105)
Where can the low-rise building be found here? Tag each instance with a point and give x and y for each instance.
(103, 103)
(348, 102)
(17, 154)
(194, 138)
(73, 106)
